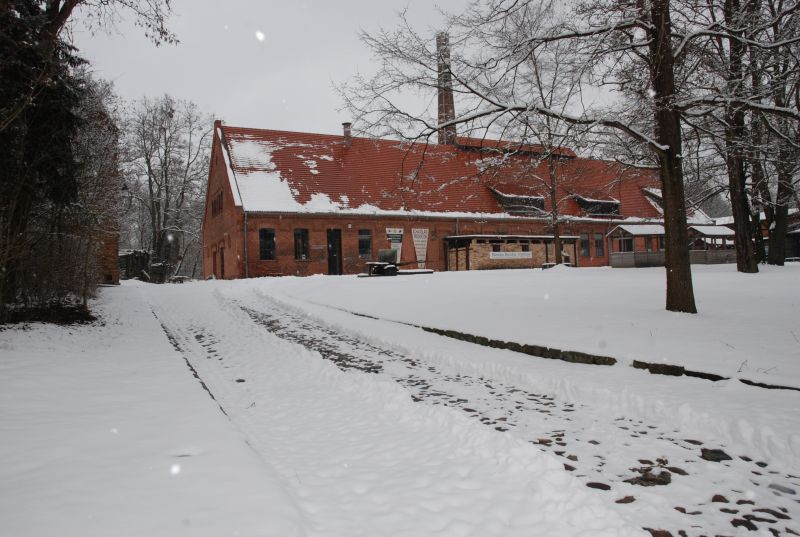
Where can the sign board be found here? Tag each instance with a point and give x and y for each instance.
(420, 237)
(510, 255)
(395, 237)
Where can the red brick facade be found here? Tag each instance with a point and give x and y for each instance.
(361, 171)
(108, 256)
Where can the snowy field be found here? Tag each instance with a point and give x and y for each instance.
(266, 407)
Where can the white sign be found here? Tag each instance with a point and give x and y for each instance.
(395, 237)
(420, 237)
(510, 255)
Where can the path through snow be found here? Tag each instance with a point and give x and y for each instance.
(356, 454)
(689, 494)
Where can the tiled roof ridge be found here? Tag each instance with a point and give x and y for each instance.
(462, 142)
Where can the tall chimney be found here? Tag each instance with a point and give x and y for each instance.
(348, 137)
(447, 111)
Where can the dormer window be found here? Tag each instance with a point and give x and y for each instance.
(519, 205)
(596, 207)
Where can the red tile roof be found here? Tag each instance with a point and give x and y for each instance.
(303, 172)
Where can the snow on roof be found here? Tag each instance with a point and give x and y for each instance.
(293, 172)
(594, 200)
(237, 199)
(653, 197)
(714, 231)
(520, 196)
(694, 215)
(640, 229)
(728, 220)
(698, 216)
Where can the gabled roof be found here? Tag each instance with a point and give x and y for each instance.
(693, 215)
(293, 172)
(714, 231)
(511, 147)
(640, 230)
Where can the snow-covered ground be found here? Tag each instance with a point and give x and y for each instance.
(748, 325)
(266, 407)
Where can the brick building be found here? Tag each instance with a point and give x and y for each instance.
(107, 242)
(290, 203)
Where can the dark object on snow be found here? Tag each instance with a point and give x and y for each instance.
(676, 470)
(598, 486)
(714, 455)
(378, 268)
(51, 313)
(649, 479)
(736, 522)
(132, 263)
(782, 488)
(387, 264)
(658, 533)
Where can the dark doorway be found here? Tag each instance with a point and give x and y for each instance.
(334, 252)
(222, 263)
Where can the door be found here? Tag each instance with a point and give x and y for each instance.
(334, 252)
(222, 263)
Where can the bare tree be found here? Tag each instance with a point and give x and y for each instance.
(649, 53)
(606, 40)
(780, 69)
(151, 15)
(166, 162)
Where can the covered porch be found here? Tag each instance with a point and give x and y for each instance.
(642, 245)
(485, 252)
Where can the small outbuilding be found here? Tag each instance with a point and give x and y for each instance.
(642, 245)
(481, 252)
(711, 237)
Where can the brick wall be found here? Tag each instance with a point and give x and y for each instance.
(108, 257)
(222, 232)
(318, 226)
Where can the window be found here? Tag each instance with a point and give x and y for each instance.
(626, 245)
(266, 243)
(598, 207)
(365, 243)
(301, 244)
(661, 243)
(599, 245)
(584, 245)
(216, 204)
(524, 246)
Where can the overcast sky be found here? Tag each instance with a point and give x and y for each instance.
(255, 63)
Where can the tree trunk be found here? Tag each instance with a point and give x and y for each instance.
(785, 190)
(761, 194)
(680, 292)
(551, 169)
(735, 137)
(745, 255)
(780, 223)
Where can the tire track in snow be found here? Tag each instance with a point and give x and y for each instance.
(177, 346)
(652, 456)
